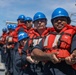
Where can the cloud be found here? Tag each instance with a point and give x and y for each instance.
(11, 9)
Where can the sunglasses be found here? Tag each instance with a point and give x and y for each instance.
(28, 21)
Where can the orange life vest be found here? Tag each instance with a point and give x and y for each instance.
(14, 34)
(3, 38)
(21, 25)
(60, 42)
(36, 37)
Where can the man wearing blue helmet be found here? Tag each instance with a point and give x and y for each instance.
(20, 27)
(60, 14)
(29, 25)
(8, 49)
(28, 22)
(58, 50)
(21, 19)
(21, 64)
(14, 27)
(21, 24)
(38, 18)
(2, 42)
(3, 36)
(40, 31)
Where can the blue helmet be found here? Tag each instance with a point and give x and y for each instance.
(4, 29)
(39, 15)
(60, 12)
(9, 26)
(28, 19)
(21, 17)
(22, 35)
(14, 27)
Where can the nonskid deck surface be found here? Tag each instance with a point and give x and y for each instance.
(2, 67)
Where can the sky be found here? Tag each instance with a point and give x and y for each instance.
(11, 9)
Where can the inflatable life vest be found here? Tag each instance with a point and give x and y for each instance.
(8, 38)
(60, 42)
(36, 37)
(14, 34)
(26, 49)
(3, 38)
(22, 26)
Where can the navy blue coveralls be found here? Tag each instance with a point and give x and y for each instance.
(19, 62)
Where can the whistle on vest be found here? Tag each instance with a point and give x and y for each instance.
(62, 53)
